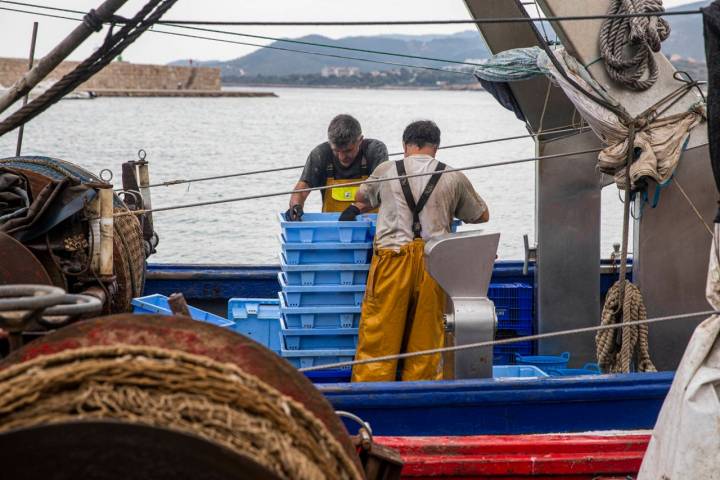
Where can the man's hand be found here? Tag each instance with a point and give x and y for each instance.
(349, 214)
(294, 213)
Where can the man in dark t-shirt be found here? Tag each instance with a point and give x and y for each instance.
(346, 157)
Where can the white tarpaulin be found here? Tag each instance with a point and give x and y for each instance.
(686, 441)
(660, 143)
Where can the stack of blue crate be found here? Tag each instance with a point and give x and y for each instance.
(514, 309)
(257, 318)
(324, 265)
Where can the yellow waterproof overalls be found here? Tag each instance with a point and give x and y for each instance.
(339, 198)
(403, 306)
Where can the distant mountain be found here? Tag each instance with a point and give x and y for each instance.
(686, 41)
(267, 61)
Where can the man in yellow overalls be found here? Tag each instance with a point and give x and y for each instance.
(403, 306)
(346, 157)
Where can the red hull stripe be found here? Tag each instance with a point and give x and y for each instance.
(507, 457)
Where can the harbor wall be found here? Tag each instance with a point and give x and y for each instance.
(125, 76)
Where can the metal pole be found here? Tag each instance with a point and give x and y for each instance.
(48, 63)
(31, 60)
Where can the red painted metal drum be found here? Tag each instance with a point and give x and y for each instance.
(181, 333)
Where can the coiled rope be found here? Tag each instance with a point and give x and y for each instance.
(624, 303)
(627, 43)
(172, 389)
(634, 344)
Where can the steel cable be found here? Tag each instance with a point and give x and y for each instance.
(296, 167)
(350, 184)
(472, 21)
(506, 341)
(272, 47)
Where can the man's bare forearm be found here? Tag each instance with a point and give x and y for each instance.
(298, 198)
(362, 202)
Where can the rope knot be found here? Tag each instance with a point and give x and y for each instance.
(93, 20)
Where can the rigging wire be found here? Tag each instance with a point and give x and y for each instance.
(264, 37)
(505, 341)
(296, 167)
(341, 23)
(324, 45)
(351, 184)
(275, 39)
(17, 10)
(472, 21)
(320, 54)
(271, 47)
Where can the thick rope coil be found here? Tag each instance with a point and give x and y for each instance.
(634, 343)
(627, 44)
(624, 302)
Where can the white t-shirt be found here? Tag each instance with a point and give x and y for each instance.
(453, 197)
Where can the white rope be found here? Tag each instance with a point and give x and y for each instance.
(506, 341)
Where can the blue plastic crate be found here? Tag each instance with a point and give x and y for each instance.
(257, 318)
(517, 371)
(319, 317)
(318, 295)
(544, 361)
(513, 304)
(317, 338)
(159, 304)
(325, 227)
(505, 354)
(588, 369)
(327, 274)
(312, 358)
(323, 253)
(514, 316)
(502, 333)
(511, 295)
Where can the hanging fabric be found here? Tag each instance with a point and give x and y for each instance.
(685, 442)
(658, 142)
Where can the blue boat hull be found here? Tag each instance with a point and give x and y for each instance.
(499, 407)
(456, 407)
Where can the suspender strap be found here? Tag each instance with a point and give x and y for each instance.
(364, 170)
(416, 208)
(330, 162)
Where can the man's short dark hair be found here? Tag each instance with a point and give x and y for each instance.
(421, 133)
(344, 130)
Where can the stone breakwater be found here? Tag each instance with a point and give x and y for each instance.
(125, 76)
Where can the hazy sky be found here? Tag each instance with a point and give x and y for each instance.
(15, 28)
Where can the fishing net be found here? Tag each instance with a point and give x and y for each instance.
(179, 391)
